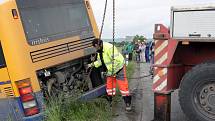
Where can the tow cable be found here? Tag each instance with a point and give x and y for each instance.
(112, 73)
(103, 20)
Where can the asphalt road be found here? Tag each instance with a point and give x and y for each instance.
(142, 100)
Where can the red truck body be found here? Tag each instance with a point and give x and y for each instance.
(177, 61)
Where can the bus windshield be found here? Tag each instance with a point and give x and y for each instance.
(48, 20)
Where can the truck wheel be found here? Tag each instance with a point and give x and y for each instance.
(197, 93)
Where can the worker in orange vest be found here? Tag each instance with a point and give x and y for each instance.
(114, 73)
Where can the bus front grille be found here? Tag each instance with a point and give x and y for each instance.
(54, 51)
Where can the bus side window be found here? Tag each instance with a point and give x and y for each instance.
(2, 60)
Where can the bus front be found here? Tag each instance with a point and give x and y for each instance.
(45, 46)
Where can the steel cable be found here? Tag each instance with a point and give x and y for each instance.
(113, 43)
(103, 20)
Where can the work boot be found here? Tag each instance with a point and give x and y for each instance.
(127, 100)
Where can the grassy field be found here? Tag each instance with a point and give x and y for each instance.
(94, 110)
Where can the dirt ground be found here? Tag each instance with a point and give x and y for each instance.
(142, 100)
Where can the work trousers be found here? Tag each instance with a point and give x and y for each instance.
(138, 57)
(122, 82)
(147, 55)
(130, 56)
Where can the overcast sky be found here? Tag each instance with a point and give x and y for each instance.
(137, 16)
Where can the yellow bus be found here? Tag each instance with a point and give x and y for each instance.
(44, 47)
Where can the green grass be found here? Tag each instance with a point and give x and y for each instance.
(70, 110)
(130, 69)
(94, 110)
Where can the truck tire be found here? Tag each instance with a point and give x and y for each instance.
(197, 93)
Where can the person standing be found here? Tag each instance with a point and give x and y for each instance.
(114, 66)
(137, 51)
(130, 51)
(142, 54)
(152, 49)
(124, 49)
(147, 52)
(125, 52)
(152, 52)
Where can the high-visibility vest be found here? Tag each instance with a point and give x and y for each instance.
(108, 59)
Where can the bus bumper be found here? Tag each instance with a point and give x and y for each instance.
(11, 109)
(37, 117)
(94, 93)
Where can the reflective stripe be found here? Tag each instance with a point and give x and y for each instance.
(161, 86)
(115, 55)
(157, 76)
(108, 63)
(155, 79)
(112, 93)
(162, 59)
(110, 90)
(124, 92)
(161, 47)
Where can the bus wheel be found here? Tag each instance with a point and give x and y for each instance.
(53, 90)
(197, 93)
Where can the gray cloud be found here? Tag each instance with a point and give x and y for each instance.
(137, 16)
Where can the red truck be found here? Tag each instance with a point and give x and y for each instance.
(185, 60)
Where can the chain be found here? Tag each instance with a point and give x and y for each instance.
(114, 25)
(103, 19)
(113, 42)
(139, 77)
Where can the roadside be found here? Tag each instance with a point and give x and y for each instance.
(141, 95)
(143, 100)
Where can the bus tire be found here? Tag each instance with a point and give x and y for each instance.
(197, 93)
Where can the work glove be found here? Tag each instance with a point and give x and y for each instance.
(104, 75)
(93, 58)
(88, 66)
